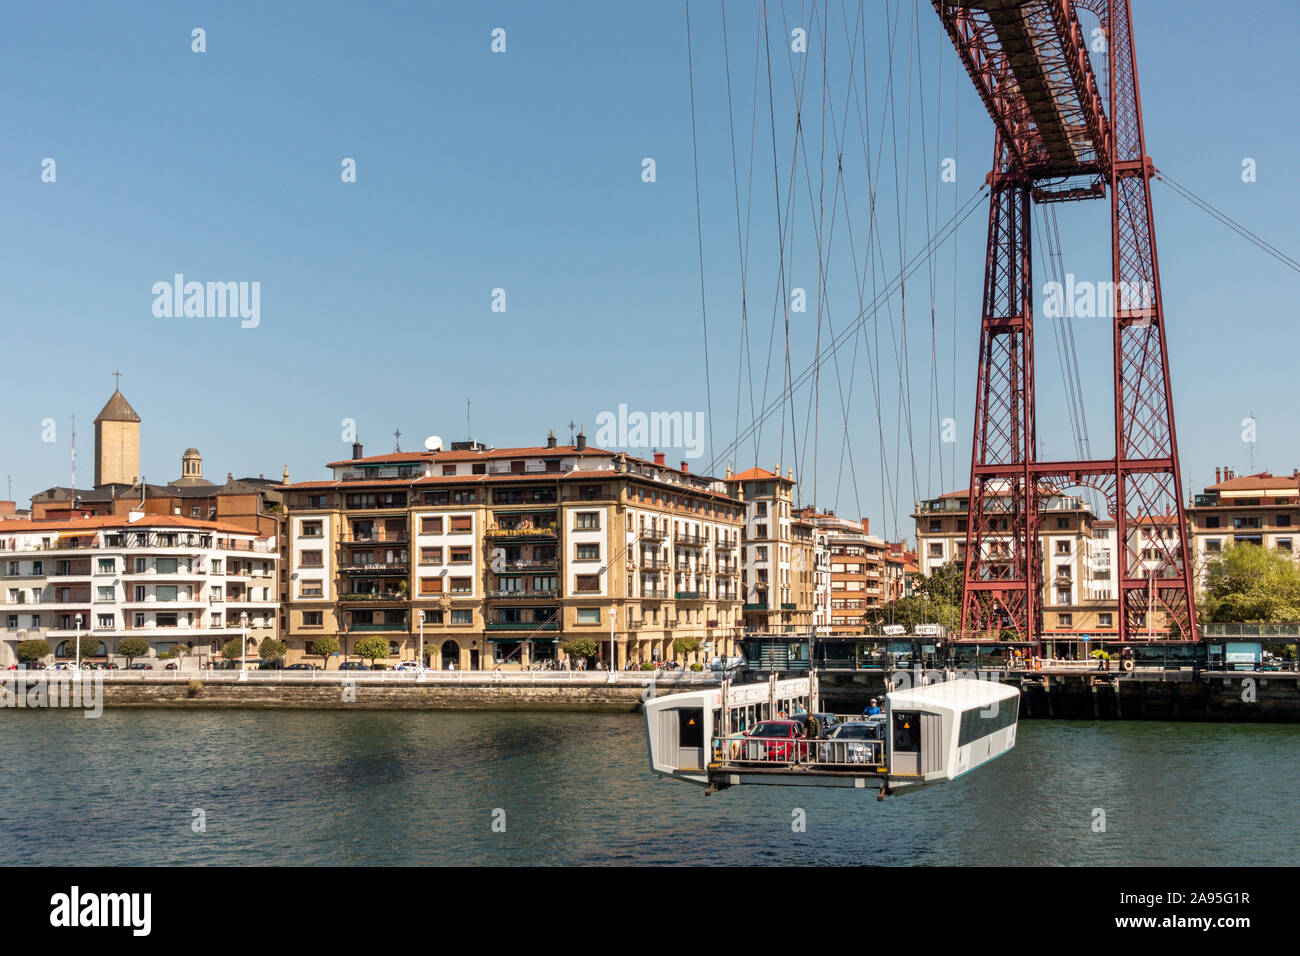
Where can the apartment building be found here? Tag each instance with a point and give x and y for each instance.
(169, 579)
(1077, 558)
(1260, 509)
(857, 572)
(767, 555)
(495, 558)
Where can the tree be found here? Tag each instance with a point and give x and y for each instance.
(1250, 583)
(325, 648)
(88, 645)
(371, 649)
(273, 650)
(233, 649)
(937, 601)
(179, 651)
(132, 647)
(583, 647)
(32, 650)
(686, 645)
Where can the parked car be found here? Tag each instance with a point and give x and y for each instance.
(302, 667)
(34, 665)
(270, 665)
(408, 666)
(170, 666)
(353, 666)
(64, 666)
(779, 740)
(141, 666)
(825, 724)
(856, 749)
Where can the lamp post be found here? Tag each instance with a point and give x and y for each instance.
(78, 645)
(613, 616)
(243, 645)
(422, 643)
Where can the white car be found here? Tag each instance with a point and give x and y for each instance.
(408, 666)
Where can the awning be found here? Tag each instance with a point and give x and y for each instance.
(519, 639)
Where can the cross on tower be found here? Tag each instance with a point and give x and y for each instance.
(571, 428)
(117, 381)
(397, 436)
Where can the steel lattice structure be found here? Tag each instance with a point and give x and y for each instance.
(1058, 139)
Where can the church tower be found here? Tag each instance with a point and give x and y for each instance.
(117, 443)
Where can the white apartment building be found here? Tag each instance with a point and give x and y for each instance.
(168, 579)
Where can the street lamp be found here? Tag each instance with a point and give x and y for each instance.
(243, 645)
(421, 642)
(78, 645)
(613, 616)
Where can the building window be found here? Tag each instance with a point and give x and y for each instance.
(588, 615)
(460, 555)
(587, 552)
(1065, 620)
(106, 566)
(587, 583)
(1062, 547)
(311, 559)
(588, 521)
(432, 616)
(430, 585)
(1214, 545)
(312, 529)
(461, 586)
(310, 589)
(1063, 523)
(1104, 620)
(106, 594)
(313, 618)
(465, 616)
(106, 620)
(431, 555)
(1063, 596)
(1284, 521)
(431, 526)
(936, 550)
(461, 524)
(1284, 544)
(316, 501)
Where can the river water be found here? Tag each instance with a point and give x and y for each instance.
(410, 788)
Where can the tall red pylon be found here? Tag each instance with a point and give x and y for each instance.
(1057, 142)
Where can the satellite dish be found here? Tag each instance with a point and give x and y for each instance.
(433, 443)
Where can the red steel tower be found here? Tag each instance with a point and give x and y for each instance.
(1059, 140)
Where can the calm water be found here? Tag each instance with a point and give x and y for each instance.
(421, 788)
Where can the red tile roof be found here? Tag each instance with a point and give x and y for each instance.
(100, 522)
(1258, 482)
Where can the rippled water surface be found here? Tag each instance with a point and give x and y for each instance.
(425, 788)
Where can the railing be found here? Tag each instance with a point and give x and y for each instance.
(690, 540)
(654, 564)
(548, 593)
(810, 754)
(687, 595)
(376, 537)
(390, 596)
(550, 564)
(636, 678)
(394, 626)
(654, 593)
(553, 625)
(493, 534)
(759, 606)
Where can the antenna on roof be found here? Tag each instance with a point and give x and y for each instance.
(74, 462)
(469, 429)
(397, 440)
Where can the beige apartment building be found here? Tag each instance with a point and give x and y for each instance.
(495, 558)
(768, 553)
(1260, 509)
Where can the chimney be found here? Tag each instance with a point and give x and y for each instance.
(659, 458)
(550, 438)
(866, 526)
(582, 440)
(356, 450)
(686, 466)
(1217, 479)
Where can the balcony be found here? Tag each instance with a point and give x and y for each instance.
(390, 596)
(759, 606)
(688, 595)
(386, 626)
(546, 564)
(690, 540)
(385, 568)
(785, 606)
(552, 625)
(654, 564)
(727, 570)
(654, 594)
(378, 537)
(500, 594)
(652, 534)
(548, 533)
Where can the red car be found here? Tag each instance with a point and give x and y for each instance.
(777, 740)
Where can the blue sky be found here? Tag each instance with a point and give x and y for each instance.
(523, 171)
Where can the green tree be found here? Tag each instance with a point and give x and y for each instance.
(583, 647)
(325, 648)
(32, 650)
(88, 645)
(686, 645)
(1249, 583)
(273, 650)
(233, 649)
(371, 649)
(132, 647)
